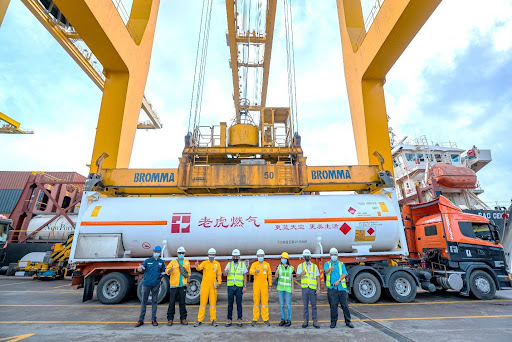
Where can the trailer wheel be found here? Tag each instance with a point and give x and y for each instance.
(482, 285)
(113, 288)
(402, 287)
(163, 293)
(194, 288)
(366, 288)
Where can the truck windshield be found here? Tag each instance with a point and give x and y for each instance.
(476, 230)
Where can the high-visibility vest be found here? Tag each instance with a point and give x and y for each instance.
(236, 274)
(328, 275)
(284, 282)
(309, 279)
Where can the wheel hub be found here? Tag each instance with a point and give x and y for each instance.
(402, 287)
(111, 289)
(482, 285)
(367, 288)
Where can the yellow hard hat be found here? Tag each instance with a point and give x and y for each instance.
(285, 255)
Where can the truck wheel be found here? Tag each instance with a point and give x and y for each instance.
(366, 288)
(193, 288)
(402, 287)
(113, 288)
(163, 293)
(482, 285)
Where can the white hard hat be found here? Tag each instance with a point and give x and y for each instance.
(235, 252)
(306, 252)
(333, 251)
(260, 251)
(212, 251)
(181, 249)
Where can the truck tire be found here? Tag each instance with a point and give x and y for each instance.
(402, 287)
(163, 293)
(482, 285)
(11, 270)
(366, 288)
(193, 288)
(113, 288)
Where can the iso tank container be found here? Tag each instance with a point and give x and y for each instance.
(130, 227)
(56, 231)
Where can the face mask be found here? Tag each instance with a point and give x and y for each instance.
(235, 260)
(156, 255)
(211, 258)
(181, 256)
(260, 259)
(306, 258)
(283, 261)
(334, 258)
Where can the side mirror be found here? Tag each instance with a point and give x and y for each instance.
(495, 231)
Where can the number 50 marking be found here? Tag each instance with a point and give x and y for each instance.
(268, 175)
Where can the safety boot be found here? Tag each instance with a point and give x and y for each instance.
(254, 323)
(229, 323)
(305, 324)
(196, 324)
(288, 323)
(214, 323)
(139, 323)
(239, 322)
(315, 324)
(283, 322)
(267, 323)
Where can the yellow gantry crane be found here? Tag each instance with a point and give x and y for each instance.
(260, 151)
(11, 126)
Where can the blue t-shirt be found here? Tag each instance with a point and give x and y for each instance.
(335, 274)
(152, 271)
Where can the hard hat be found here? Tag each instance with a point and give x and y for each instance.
(333, 251)
(306, 252)
(235, 252)
(212, 251)
(181, 249)
(260, 252)
(285, 255)
(157, 249)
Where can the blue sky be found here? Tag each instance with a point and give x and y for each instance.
(452, 83)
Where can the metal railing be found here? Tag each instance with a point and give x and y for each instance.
(369, 21)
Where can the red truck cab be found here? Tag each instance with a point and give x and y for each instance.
(462, 250)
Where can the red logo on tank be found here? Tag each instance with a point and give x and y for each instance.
(345, 228)
(371, 231)
(351, 210)
(180, 223)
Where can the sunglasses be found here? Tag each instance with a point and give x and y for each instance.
(181, 253)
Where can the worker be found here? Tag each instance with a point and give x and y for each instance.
(212, 277)
(235, 271)
(154, 269)
(179, 273)
(309, 281)
(336, 282)
(262, 285)
(284, 278)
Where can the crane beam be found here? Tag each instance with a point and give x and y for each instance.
(82, 58)
(367, 57)
(248, 38)
(124, 51)
(11, 126)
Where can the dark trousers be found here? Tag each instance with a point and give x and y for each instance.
(309, 295)
(338, 298)
(232, 292)
(177, 293)
(154, 301)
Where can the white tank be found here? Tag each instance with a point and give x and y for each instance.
(351, 223)
(57, 231)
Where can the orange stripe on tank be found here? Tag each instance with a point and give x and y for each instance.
(123, 223)
(333, 219)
